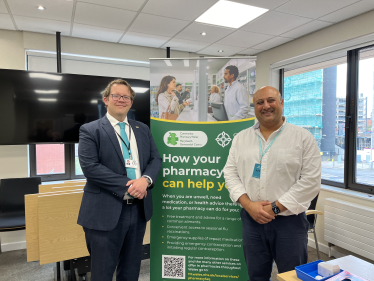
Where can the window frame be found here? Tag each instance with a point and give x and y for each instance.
(69, 152)
(351, 117)
(351, 133)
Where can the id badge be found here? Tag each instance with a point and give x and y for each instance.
(131, 163)
(257, 171)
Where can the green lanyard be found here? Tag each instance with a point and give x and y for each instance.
(262, 153)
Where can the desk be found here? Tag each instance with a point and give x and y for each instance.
(52, 232)
(350, 263)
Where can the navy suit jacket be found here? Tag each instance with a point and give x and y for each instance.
(103, 165)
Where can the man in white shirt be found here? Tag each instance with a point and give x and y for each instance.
(274, 171)
(236, 96)
(120, 161)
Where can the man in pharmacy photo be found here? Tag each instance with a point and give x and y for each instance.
(274, 171)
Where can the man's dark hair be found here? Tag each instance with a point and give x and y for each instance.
(233, 70)
(179, 84)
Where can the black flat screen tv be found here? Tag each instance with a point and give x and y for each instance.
(39, 107)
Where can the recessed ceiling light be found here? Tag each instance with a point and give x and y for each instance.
(203, 33)
(230, 14)
(207, 67)
(41, 8)
(220, 51)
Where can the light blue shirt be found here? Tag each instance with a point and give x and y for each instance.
(236, 101)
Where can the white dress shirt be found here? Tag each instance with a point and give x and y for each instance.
(236, 101)
(215, 97)
(290, 169)
(133, 145)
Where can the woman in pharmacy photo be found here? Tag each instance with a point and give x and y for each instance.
(214, 94)
(168, 102)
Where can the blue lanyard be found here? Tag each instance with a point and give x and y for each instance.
(262, 153)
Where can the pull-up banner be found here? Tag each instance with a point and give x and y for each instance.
(197, 108)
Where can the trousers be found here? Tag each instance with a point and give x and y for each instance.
(284, 241)
(120, 247)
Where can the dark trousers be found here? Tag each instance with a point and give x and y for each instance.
(120, 247)
(283, 240)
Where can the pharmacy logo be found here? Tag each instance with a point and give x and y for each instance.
(172, 139)
(223, 139)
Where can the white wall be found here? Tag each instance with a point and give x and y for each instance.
(352, 28)
(13, 45)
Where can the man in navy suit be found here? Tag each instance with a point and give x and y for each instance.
(120, 161)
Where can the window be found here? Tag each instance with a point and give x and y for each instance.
(315, 100)
(50, 159)
(364, 173)
(334, 100)
(55, 161)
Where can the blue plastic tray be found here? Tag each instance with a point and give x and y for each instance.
(308, 272)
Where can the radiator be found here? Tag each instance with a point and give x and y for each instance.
(350, 226)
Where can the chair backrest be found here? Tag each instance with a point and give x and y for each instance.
(12, 193)
(311, 218)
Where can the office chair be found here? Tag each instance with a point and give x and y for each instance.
(12, 202)
(311, 215)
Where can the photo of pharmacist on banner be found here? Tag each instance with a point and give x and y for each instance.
(168, 101)
(202, 90)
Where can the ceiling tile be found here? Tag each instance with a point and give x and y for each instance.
(313, 9)
(267, 4)
(178, 9)
(3, 9)
(272, 43)
(244, 39)
(42, 25)
(96, 33)
(54, 10)
(96, 15)
(156, 25)
(133, 5)
(147, 40)
(185, 45)
(350, 11)
(6, 22)
(213, 33)
(275, 23)
(227, 50)
(250, 52)
(306, 28)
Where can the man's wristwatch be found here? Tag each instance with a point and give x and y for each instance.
(148, 180)
(275, 208)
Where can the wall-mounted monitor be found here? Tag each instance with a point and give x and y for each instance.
(39, 107)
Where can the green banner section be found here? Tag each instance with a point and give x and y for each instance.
(196, 230)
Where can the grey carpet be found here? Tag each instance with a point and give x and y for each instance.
(13, 267)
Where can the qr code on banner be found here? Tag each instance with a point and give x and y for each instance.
(173, 267)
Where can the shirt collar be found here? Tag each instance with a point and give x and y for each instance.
(233, 83)
(113, 121)
(256, 127)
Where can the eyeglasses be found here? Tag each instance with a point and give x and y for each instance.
(118, 97)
